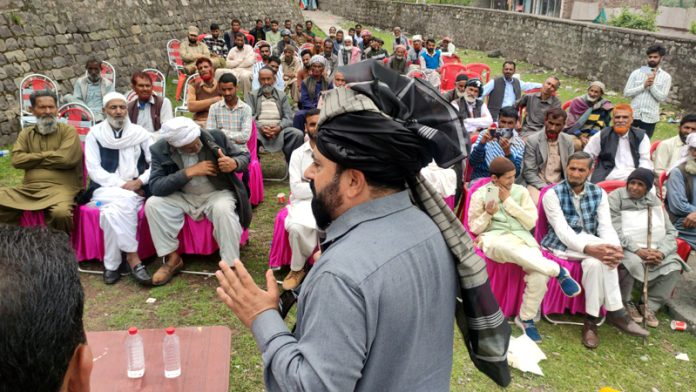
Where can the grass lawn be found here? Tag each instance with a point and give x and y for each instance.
(621, 362)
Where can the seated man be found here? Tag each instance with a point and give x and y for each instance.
(537, 104)
(497, 142)
(580, 228)
(398, 62)
(339, 79)
(669, 151)
(235, 28)
(194, 173)
(472, 111)
(318, 45)
(265, 51)
(338, 41)
(149, 110)
(546, 154)
(49, 152)
(459, 90)
(271, 110)
(312, 86)
(291, 65)
(191, 50)
(302, 73)
(240, 62)
(502, 225)
(588, 114)
(284, 42)
(400, 39)
(258, 32)
(447, 48)
(619, 149)
(117, 156)
(273, 35)
(202, 92)
(505, 90)
(308, 28)
(681, 203)
(630, 207)
(375, 51)
(414, 52)
(91, 88)
(231, 116)
(349, 53)
(215, 43)
(303, 234)
(300, 37)
(430, 58)
(331, 58)
(42, 336)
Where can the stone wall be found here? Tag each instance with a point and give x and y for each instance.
(580, 49)
(56, 37)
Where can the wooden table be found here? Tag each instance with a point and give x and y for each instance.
(205, 361)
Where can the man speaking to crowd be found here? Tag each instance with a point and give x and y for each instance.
(376, 312)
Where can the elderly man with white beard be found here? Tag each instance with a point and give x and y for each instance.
(273, 116)
(117, 155)
(472, 111)
(398, 61)
(51, 157)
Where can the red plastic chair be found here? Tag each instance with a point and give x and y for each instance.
(566, 105)
(31, 83)
(448, 75)
(307, 46)
(77, 115)
(653, 147)
(481, 69)
(661, 185)
(472, 75)
(506, 279)
(175, 62)
(453, 59)
(159, 81)
(611, 185)
(108, 72)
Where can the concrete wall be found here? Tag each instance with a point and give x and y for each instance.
(56, 37)
(580, 49)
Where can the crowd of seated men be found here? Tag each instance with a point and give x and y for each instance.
(140, 155)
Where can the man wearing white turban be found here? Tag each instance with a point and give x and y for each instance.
(117, 156)
(194, 174)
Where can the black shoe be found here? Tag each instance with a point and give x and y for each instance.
(124, 269)
(140, 274)
(111, 277)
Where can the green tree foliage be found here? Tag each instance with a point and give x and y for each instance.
(645, 19)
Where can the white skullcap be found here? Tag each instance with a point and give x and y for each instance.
(348, 38)
(598, 84)
(111, 96)
(417, 37)
(317, 58)
(691, 140)
(180, 131)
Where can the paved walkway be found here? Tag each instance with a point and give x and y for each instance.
(681, 307)
(323, 20)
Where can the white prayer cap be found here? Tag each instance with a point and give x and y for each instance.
(318, 59)
(111, 96)
(348, 38)
(180, 131)
(417, 37)
(691, 140)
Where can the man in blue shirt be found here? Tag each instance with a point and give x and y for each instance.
(431, 58)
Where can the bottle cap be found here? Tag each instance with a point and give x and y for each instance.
(169, 331)
(132, 330)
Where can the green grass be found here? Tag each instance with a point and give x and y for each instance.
(190, 300)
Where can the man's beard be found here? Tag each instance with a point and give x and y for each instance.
(116, 123)
(621, 130)
(398, 57)
(653, 64)
(460, 94)
(470, 99)
(46, 125)
(346, 46)
(266, 90)
(590, 99)
(206, 77)
(690, 166)
(239, 47)
(94, 78)
(683, 137)
(324, 203)
(265, 58)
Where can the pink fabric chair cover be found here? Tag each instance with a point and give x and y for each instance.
(555, 302)
(255, 174)
(32, 218)
(280, 253)
(507, 279)
(449, 200)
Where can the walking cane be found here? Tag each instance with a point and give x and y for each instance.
(645, 276)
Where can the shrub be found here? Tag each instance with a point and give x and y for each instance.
(692, 29)
(645, 19)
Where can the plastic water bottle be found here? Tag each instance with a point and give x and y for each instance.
(95, 204)
(135, 353)
(170, 350)
(4, 153)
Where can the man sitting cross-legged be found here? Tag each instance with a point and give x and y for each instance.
(630, 207)
(273, 115)
(49, 153)
(580, 228)
(117, 155)
(502, 224)
(193, 173)
(300, 224)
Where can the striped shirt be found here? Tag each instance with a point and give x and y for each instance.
(234, 122)
(646, 102)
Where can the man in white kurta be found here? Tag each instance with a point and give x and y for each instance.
(117, 155)
(580, 228)
(240, 62)
(303, 234)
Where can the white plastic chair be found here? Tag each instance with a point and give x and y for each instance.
(184, 104)
(159, 81)
(27, 86)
